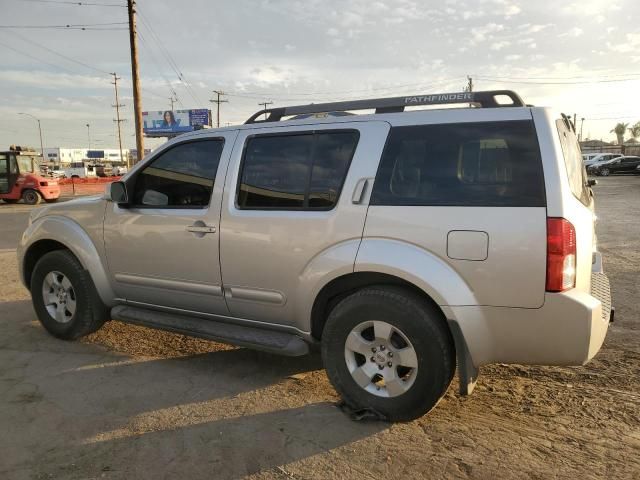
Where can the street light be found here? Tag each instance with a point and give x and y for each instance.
(89, 136)
(39, 130)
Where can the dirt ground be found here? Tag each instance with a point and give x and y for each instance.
(129, 402)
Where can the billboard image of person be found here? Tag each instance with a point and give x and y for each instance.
(169, 120)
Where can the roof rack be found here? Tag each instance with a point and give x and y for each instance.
(485, 99)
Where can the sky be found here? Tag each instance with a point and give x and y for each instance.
(579, 57)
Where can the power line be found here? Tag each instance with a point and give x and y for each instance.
(79, 26)
(78, 4)
(534, 82)
(155, 62)
(169, 58)
(61, 55)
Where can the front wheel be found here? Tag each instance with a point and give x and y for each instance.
(31, 197)
(388, 350)
(604, 172)
(64, 296)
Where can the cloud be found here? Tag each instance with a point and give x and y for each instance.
(485, 32)
(574, 32)
(499, 45)
(632, 44)
(512, 57)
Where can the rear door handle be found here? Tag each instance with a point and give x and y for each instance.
(200, 228)
(360, 190)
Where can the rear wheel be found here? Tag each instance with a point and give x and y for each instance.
(64, 296)
(388, 350)
(31, 197)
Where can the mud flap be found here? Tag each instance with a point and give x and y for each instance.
(467, 371)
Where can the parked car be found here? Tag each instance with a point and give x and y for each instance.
(80, 170)
(588, 156)
(626, 164)
(601, 157)
(404, 244)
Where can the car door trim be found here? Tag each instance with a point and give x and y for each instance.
(170, 284)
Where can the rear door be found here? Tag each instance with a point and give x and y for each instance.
(292, 195)
(471, 194)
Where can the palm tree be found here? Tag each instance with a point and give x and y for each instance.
(620, 130)
(635, 130)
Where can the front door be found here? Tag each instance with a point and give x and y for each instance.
(292, 196)
(163, 248)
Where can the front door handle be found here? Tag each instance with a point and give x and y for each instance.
(200, 228)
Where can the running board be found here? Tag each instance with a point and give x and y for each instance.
(251, 337)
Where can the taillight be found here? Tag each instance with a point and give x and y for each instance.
(561, 255)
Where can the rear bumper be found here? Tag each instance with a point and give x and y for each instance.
(569, 329)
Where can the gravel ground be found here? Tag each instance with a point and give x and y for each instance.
(128, 402)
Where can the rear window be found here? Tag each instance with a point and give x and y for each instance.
(462, 164)
(573, 163)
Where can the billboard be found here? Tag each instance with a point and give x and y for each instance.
(168, 123)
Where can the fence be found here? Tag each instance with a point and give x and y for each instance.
(70, 187)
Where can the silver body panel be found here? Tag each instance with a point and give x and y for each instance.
(484, 266)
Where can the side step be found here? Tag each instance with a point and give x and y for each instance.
(251, 337)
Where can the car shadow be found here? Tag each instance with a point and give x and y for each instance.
(225, 414)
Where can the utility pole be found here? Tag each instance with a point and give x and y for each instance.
(581, 125)
(217, 101)
(137, 104)
(89, 136)
(118, 120)
(39, 131)
(469, 87)
(264, 104)
(172, 99)
(574, 122)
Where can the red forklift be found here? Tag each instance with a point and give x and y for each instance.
(20, 178)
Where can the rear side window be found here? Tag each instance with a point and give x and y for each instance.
(301, 171)
(462, 164)
(573, 163)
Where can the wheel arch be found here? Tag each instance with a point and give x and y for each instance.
(60, 233)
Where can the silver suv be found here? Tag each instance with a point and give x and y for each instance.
(403, 243)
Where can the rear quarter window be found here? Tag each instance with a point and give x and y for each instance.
(461, 164)
(573, 162)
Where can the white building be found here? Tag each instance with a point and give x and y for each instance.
(60, 155)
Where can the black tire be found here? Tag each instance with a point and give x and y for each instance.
(422, 324)
(31, 197)
(604, 172)
(11, 201)
(90, 313)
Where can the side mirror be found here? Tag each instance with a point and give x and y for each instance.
(117, 192)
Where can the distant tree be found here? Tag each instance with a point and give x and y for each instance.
(620, 130)
(635, 130)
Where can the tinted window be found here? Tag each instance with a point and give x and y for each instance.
(183, 176)
(296, 171)
(473, 164)
(575, 169)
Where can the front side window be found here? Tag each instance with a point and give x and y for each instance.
(181, 177)
(295, 171)
(462, 164)
(4, 174)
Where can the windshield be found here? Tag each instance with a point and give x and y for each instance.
(27, 164)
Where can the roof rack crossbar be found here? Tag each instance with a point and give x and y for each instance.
(487, 99)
